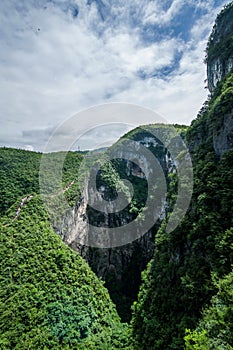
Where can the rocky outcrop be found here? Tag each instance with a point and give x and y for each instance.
(220, 138)
(120, 267)
(219, 51)
(217, 69)
(214, 125)
(223, 138)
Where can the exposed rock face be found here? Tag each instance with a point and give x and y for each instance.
(220, 138)
(217, 69)
(119, 267)
(218, 128)
(223, 138)
(219, 56)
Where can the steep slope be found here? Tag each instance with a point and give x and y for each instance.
(219, 52)
(49, 298)
(19, 174)
(121, 267)
(215, 330)
(178, 282)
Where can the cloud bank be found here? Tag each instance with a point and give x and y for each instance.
(59, 57)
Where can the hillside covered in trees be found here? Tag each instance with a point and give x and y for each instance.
(49, 298)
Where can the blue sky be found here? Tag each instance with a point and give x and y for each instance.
(59, 57)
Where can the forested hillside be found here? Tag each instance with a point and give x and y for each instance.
(19, 174)
(49, 298)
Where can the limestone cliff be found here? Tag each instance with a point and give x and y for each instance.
(219, 55)
(214, 123)
(120, 267)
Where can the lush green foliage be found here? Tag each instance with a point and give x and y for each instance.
(223, 30)
(19, 174)
(155, 129)
(49, 298)
(215, 330)
(211, 117)
(178, 281)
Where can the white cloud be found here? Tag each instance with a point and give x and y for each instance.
(155, 14)
(53, 65)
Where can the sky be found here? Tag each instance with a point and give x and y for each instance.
(61, 57)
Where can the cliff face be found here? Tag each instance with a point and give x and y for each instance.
(214, 123)
(217, 69)
(223, 138)
(120, 267)
(219, 56)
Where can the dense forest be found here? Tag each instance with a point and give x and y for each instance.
(49, 296)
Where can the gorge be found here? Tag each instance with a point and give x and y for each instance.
(165, 290)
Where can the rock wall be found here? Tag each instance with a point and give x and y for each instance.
(223, 138)
(119, 267)
(217, 69)
(216, 127)
(219, 53)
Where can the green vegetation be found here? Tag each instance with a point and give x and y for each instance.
(215, 329)
(178, 282)
(210, 119)
(19, 174)
(159, 129)
(223, 30)
(49, 298)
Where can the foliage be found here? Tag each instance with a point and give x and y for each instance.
(49, 298)
(178, 282)
(215, 330)
(19, 175)
(220, 43)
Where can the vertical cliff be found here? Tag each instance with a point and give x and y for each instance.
(121, 267)
(219, 52)
(214, 123)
